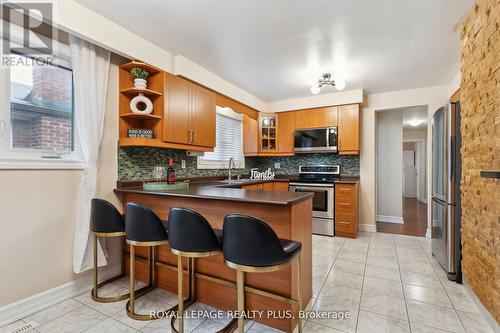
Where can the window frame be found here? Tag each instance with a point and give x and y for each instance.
(24, 158)
(223, 164)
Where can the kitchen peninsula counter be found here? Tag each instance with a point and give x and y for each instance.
(289, 214)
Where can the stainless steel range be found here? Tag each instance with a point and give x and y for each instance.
(319, 179)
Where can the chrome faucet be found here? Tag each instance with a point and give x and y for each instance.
(231, 166)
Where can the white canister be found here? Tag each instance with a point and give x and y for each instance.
(140, 83)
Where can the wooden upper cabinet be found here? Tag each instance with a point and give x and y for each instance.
(177, 110)
(202, 117)
(250, 136)
(348, 132)
(189, 115)
(316, 117)
(286, 121)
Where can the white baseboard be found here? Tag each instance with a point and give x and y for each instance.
(390, 219)
(27, 306)
(367, 227)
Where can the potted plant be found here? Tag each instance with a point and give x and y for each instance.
(140, 75)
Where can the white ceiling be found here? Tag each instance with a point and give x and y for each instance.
(276, 49)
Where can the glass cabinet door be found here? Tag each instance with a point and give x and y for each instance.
(268, 132)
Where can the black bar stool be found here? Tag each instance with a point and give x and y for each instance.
(191, 236)
(143, 228)
(105, 221)
(250, 245)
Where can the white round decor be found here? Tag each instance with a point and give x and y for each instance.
(138, 100)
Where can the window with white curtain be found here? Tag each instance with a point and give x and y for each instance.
(37, 125)
(228, 141)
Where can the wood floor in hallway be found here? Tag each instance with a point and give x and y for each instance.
(415, 220)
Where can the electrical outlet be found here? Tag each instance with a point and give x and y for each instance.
(277, 165)
(183, 164)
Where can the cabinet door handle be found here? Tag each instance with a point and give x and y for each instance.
(344, 222)
(194, 136)
(189, 136)
(345, 204)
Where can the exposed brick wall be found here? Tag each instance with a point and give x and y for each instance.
(481, 151)
(52, 87)
(44, 132)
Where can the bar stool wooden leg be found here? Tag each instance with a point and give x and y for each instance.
(240, 286)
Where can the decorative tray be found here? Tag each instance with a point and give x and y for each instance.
(164, 186)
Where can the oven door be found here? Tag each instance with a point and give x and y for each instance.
(323, 199)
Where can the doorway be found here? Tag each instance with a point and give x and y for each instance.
(401, 171)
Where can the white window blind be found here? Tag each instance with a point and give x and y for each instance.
(228, 141)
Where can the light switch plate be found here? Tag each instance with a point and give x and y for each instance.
(277, 165)
(183, 164)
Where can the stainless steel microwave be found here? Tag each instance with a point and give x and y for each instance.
(316, 140)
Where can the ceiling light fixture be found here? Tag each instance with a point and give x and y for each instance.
(415, 122)
(327, 81)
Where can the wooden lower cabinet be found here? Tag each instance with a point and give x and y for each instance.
(346, 210)
(268, 186)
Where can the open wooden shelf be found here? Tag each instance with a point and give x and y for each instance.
(141, 116)
(146, 92)
(151, 69)
(145, 142)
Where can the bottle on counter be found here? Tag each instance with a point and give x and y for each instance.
(170, 172)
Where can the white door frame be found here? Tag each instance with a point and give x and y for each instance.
(419, 152)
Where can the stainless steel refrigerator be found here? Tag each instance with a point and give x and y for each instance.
(446, 173)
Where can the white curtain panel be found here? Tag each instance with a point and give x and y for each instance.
(90, 72)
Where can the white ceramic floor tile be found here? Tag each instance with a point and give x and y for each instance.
(73, 322)
(420, 279)
(122, 317)
(312, 327)
(158, 326)
(375, 287)
(260, 328)
(418, 267)
(340, 294)
(390, 262)
(427, 295)
(382, 272)
(375, 323)
(393, 307)
(345, 324)
(434, 316)
(419, 328)
(341, 278)
(111, 326)
(474, 323)
(108, 308)
(52, 312)
(208, 326)
(349, 267)
(463, 302)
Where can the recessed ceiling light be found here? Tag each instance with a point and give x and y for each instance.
(415, 122)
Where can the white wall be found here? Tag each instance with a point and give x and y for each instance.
(389, 164)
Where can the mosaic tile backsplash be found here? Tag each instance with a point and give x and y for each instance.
(135, 163)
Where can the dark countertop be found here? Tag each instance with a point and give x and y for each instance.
(347, 180)
(215, 190)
